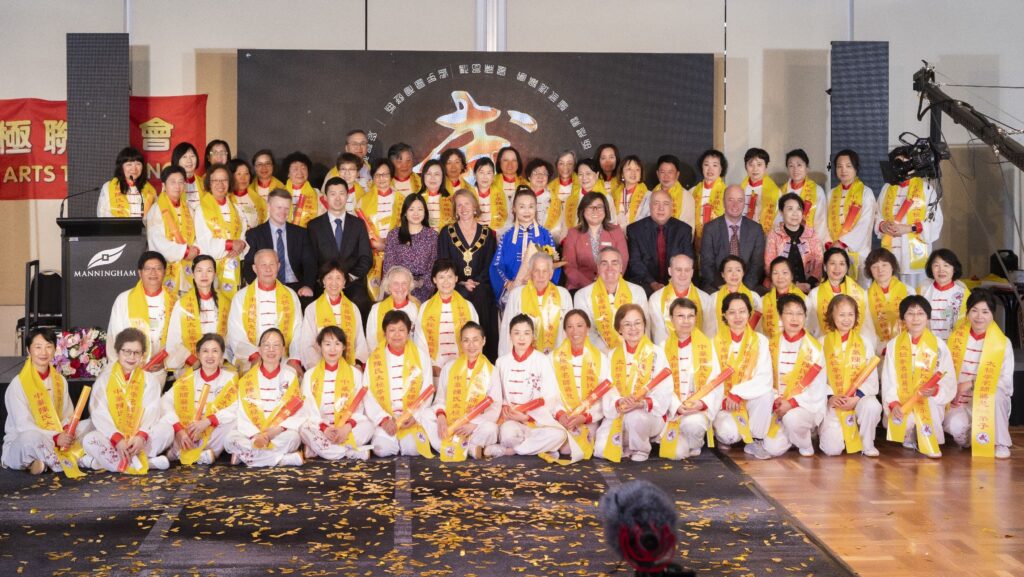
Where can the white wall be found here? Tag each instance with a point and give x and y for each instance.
(777, 60)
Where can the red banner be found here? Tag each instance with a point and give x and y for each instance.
(34, 139)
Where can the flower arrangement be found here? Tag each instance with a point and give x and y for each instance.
(81, 353)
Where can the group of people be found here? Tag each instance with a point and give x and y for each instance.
(333, 323)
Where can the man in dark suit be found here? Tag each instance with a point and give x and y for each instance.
(290, 242)
(653, 241)
(351, 248)
(732, 233)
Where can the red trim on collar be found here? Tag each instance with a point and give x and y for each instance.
(397, 353)
(263, 370)
(944, 287)
(794, 338)
(519, 359)
(208, 378)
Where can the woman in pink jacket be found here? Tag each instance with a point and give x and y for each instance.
(594, 231)
(792, 238)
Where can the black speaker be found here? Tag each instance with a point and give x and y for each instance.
(860, 105)
(98, 89)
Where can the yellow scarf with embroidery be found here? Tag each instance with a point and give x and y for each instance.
(885, 306)
(911, 373)
(545, 312)
(432, 311)
(720, 298)
(412, 378)
(466, 387)
(571, 393)
(843, 366)
(676, 192)
(915, 211)
(46, 411)
(445, 214)
(124, 399)
(285, 313)
(305, 208)
(344, 389)
(842, 216)
(345, 319)
(705, 213)
(631, 206)
(227, 267)
(628, 380)
(743, 363)
(700, 345)
(792, 383)
(138, 316)
(254, 187)
(119, 206)
(604, 311)
(179, 227)
(249, 397)
(258, 203)
(499, 206)
(185, 408)
(983, 405)
(809, 196)
(668, 296)
(571, 204)
(769, 198)
(191, 327)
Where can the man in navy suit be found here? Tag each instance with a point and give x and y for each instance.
(349, 246)
(653, 241)
(290, 242)
(732, 233)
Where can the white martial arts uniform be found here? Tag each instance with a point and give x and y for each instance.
(642, 425)
(448, 333)
(858, 240)
(931, 228)
(486, 432)
(178, 355)
(272, 389)
(937, 404)
(957, 420)
(229, 270)
(693, 427)
(154, 329)
(583, 301)
(516, 381)
(321, 416)
(948, 306)
(309, 330)
(379, 410)
(374, 332)
(868, 411)
(266, 317)
(661, 319)
(808, 407)
(222, 422)
(515, 306)
(757, 392)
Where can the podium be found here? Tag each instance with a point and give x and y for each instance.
(99, 260)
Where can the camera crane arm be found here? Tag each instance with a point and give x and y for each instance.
(965, 115)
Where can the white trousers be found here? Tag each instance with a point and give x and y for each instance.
(218, 436)
(241, 446)
(759, 409)
(485, 434)
(797, 425)
(830, 434)
(938, 418)
(958, 422)
(638, 429)
(104, 456)
(693, 429)
(531, 440)
(21, 449)
(317, 443)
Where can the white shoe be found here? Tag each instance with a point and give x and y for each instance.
(206, 457)
(870, 451)
(638, 457)
(806, 451)
(360, 454)
(293, 459)
(1002, 452)
(494, 451)
(695, 452)
(86, 462)
(757, 450)
(910, 443)
(160, 463)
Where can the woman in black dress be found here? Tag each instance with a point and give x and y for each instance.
(472, 246)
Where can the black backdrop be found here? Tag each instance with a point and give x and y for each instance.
(542, 103)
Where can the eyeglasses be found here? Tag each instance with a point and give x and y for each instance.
(595, 208)
(130, 353)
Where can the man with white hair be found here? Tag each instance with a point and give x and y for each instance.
(266, 303)
(543, 301)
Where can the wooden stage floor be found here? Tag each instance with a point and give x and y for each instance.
(904, 514)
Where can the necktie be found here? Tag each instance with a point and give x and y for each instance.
(282, 257)
(661, 253)
(734, 240)
(337, 233)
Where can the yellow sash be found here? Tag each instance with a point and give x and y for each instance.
(572, 395)
(499, 208)
(668, 296)
(701, 351)
(809, 196)
(464, 390)
(185, 408)
(285, 313)
(604, 312)
(119, 206)
(138, 316)
(412, 378)
(676, 192)
(839, 209)
(916, 213)
(346, 321)
(850, 288)
(640, 193)
(258, 203)
(249, 397)
(983, 406)
(843, 366)
(227, 267)
(179, 227)
(769, 198)
(720, 297)
(305, 208)
(124, 402)
(885, 308)
(254, 187)
(627, 381)
(191, 327)
(415, 184)
(743, 364)
(545, 312)
(715, 202)
(911, 373)
(344, 389)
(445, 209)
(379, 225)
(432, 321)
(47, 409)
(771, 323)
(571, 205)
(791, 384)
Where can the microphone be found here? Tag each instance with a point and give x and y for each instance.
(73, 195)
(640, 525)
